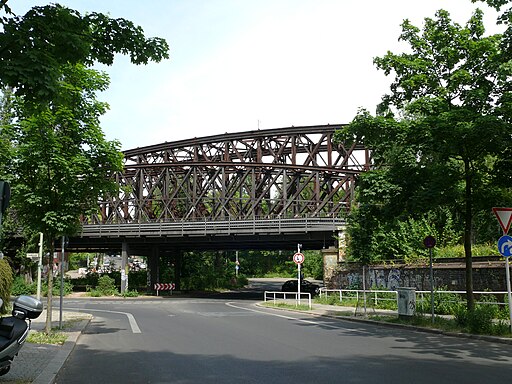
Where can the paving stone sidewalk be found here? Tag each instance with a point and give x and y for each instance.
(40, 363)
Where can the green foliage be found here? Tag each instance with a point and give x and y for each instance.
(458, 251)
(209, 271)
(20, 287)
(56, 338)
(313, 265)
(437, 141)
(78, 260)
(90, 280)
(130, 293)
(478, 321)
(6, 280)
(444, 304)
(62, 158)
(49, 37)
(106, 286)
(68, 287)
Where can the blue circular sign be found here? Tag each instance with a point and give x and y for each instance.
(505, 245)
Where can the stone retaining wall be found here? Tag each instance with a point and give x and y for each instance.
(487, 275)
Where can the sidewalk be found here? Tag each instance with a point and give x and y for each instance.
(40, 363)
(358, 314)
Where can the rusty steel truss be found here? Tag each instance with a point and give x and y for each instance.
(285, 172)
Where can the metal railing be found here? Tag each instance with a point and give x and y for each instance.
(376, 295)
(276, 296)
(205, 227)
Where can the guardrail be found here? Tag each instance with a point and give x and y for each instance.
(273, 297)
(202, 228)
(374, 295)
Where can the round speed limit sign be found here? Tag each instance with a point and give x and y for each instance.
(298, 258)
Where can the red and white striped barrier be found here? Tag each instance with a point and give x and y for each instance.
(164, 287)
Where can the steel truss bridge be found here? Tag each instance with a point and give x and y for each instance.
(263, 189)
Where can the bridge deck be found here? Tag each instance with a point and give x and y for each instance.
(279, 233)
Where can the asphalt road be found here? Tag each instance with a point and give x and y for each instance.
(224, 340)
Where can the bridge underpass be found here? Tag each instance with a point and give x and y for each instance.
(259, 190)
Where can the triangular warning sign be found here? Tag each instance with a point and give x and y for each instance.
(504, 216)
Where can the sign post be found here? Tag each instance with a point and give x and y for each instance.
(504, 216)
(298, 259)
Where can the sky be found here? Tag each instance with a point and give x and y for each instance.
(241, 65)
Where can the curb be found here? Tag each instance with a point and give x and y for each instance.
(493, 339)
(48, 375)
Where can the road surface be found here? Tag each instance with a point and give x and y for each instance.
(208, 340)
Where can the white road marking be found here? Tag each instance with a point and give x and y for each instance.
(284, 316)
(131, 319)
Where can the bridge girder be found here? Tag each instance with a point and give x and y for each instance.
(285, 172)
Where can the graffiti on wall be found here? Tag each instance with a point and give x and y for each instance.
(388, 279)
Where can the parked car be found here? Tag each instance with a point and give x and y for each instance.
(305, 286)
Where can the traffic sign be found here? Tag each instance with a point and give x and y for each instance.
(429, 242)
(165, 286)
(298, 258)
(505, 246)
(504, 216)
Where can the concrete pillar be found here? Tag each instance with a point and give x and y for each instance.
(154, 264)
(177, 269)
(124, 267)
(331, 260)
(334, 255)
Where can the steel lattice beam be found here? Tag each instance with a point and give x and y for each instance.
(286, 172)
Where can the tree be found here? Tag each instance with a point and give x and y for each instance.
(443, 128)
(61, 162)
(34, 47)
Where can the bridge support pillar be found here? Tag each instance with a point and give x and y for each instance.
(333, 255)
(125, 268)
(154, 264)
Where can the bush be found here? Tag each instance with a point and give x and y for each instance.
(21, 287)
(106, 286)
(480, 320)
(6, 280)
(68, 287)
(132, 293)
(444, 303)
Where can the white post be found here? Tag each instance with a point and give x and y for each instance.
(237, 264)
(40, 266)
(124, 267)
(61, 280)
(507, 269)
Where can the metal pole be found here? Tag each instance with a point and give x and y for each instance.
(298, 275)
(40, 266)
(431, 286)
(507, 269)
(61, 281)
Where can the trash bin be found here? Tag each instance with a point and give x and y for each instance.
(406, 301)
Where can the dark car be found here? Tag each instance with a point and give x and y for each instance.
(305, 286)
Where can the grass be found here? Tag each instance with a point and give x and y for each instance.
(300, 307)
(498, 328)
(55, 338)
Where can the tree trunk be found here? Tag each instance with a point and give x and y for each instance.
(468, 221)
